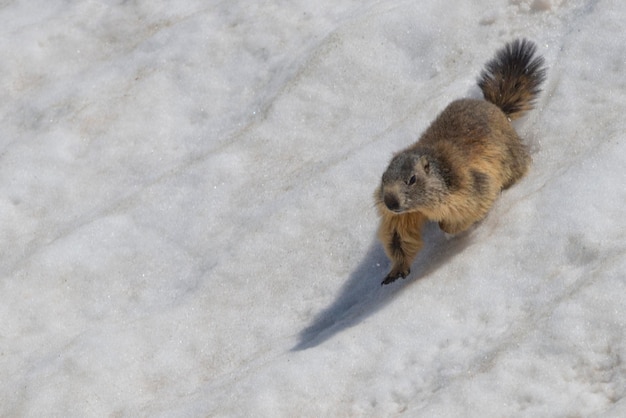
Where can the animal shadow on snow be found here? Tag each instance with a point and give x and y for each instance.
(363, 295)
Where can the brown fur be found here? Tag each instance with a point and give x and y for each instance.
(457, 169)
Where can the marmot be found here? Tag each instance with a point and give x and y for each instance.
(458, 167)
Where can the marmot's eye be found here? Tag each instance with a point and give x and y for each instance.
(411, 180)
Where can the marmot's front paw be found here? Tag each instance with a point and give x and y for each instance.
(394, 275)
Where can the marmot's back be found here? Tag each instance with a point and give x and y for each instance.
(512, 79)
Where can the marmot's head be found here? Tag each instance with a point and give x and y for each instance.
(413, 181)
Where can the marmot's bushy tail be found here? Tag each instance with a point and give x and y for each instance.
(512, 79)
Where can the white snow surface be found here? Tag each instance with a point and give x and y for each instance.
(187, 223)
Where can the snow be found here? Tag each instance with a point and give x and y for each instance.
(188, 226)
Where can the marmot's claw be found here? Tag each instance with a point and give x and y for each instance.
(393, 277)
(388, 280)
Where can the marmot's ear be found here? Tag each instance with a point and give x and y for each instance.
(425, 164)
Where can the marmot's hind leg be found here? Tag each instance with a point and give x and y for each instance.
(454, 227)
(476, 208)
(517, 162)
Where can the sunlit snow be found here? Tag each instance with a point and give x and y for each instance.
(187, 223)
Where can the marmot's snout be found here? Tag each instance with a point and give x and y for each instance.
(391, 201)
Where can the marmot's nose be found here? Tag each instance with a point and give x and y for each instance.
(391, 202)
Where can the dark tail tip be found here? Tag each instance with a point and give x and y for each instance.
(512, 79)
